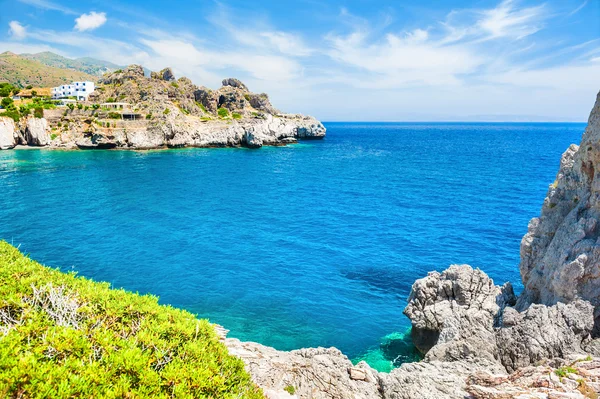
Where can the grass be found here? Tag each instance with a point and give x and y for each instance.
(563, 371)
(290, 389)
(63, 336)
(235, 115)
(223, 112)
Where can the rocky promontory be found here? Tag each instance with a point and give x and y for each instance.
(129, 110)
(478, 339)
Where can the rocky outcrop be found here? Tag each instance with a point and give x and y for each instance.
(166, 74)
(36, 132)
(235, 83)
(560, 255)
(7, 133)
(454, 313)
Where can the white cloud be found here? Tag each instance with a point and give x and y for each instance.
(16, 30)
(90, 21)
(48, 5)
(508, 21)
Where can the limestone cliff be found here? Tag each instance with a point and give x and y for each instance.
(131, 111)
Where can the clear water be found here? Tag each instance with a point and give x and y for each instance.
(315, 244)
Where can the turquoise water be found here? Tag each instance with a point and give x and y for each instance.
(315, 244)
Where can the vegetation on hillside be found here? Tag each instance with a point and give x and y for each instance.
(63, 336)
(22, 72)
(87, 65)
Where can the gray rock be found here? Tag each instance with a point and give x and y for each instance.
(453, 314)
(7, 133)
(165, 74)
(560, 254)
(36, 132)
(235, 83)
(544, 332)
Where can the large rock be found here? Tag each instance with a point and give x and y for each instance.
(453, 313)
(232, 82)
(544, 332)
(166, 74)
(560, 255)
(36, 132)
(7, 133)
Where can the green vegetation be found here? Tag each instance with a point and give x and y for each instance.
(223, 112)
(167, 111)
(114, 115)
(247, 97)
(38, 112)
(6, 89)
(53, 136)
(63, 336)
(175, 85)
(6, 102)
(110, 100)
(235, 115)
(79, 106)
(202, 107)
(21, 71)
(563, 371)
(149, 116)
(290, 389)
(95, 106)
(12, 114)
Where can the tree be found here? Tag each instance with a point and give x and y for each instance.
(33, 93)
(7, 102)
(29, 87)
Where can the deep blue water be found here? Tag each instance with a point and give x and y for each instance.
(314, 244)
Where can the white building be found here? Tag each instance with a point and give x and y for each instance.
(81, 90)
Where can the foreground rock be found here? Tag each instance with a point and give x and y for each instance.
(36, 132)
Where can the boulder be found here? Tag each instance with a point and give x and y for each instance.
(453, 314)
(36, 132)
(560, 254)
(7, 133)
(235, 83)
(165, 74)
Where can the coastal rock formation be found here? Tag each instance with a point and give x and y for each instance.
(7, 133)
(453, 314)
(132, 111)
(36, 132)
(560, 255)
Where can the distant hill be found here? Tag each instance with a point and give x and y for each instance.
(22, 71)
(87, 65)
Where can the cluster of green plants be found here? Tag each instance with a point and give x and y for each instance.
(223, 112)
(235, 115)
(63, 336)
(202, 107)
(6, 89)
(114, 115)
(564, 371)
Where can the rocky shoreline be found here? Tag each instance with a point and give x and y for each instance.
(131, 111)
(480, 341)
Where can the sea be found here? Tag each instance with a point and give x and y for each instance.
(313, 244)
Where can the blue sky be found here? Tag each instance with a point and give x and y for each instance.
(345, 60)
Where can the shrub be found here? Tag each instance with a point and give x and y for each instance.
(53, 136)
(59, 124)
(38, 112)
(12, 114)
(96, 106)
(223, 112)
(33, 93)
(175, 85)
(79, 106)
(119, 71)
(290, 389)
(247, 97)
(110, 100)
(202, 107)
(86, 108)
(29, 87)
(6, 102)
(69, 337)
(167, 111)
(235, 115)
(114, 115)
(149, 116)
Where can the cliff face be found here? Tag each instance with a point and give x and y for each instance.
(560, 255)
(131, 111)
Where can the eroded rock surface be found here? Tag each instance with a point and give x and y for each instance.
(7, 133)
(36, 132)
(560, 255)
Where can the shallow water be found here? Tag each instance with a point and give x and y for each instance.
(314, 244)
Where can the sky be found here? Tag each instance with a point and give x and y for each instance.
(352, 60)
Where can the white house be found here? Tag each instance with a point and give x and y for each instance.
(81, 90)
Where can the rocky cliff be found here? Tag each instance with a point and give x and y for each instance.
(131, 111)
(479, 340)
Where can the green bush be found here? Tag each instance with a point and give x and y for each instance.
(114, 115)
(110, 100)
(149, 116)
(38, 112)
(102, 342)
(6, 102)
(290, 389)
(235, 115)
(71, 106)
(96, 106)
(53, 136)
(33, 93)
(79, 106)
(175, 85)
(29, 87)
(223, 112)
(12, 114)
(167, 111)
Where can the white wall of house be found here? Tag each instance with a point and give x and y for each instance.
(81, 90)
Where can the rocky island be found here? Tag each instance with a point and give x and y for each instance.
(129, 110)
